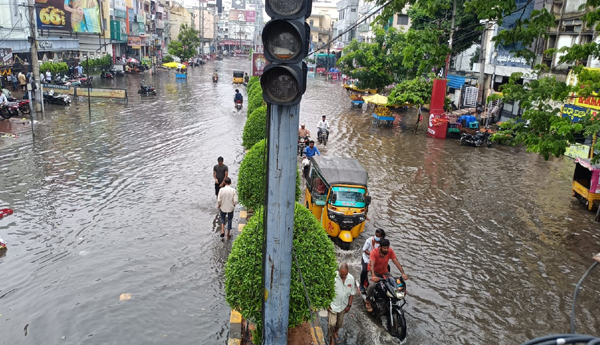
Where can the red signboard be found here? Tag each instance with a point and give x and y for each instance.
(258, 64)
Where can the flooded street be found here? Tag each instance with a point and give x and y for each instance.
(123, 203)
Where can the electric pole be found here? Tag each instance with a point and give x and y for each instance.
(35, 65)
(482, 54)
(450, 42)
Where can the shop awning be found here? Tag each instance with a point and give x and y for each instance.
(456, 81)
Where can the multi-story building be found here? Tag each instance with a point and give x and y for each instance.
(347, 17)
(322, 20)
(178, 15)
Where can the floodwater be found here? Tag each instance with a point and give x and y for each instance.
(114, 237)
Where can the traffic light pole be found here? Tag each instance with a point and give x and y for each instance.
(279, 220)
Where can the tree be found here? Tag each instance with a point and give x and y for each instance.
(187, 43)
(244, 288)
(415, 91)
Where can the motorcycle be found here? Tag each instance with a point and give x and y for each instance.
(215, 79)
(118, 73)
(388, 300)
(239, 105)
(52, 98)
(323, 136)
(105, 74)
(146, 90)
(477, 140)
(302, 144)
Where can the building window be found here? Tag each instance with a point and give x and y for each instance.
(312, 22)
(353, 10)
(402, 19)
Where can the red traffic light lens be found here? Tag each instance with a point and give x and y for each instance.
(282, 41)
(281, 85)
(285, 7)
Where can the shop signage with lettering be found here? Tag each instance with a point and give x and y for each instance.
(6, 57)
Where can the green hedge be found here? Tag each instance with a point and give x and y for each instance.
(251, 82)
(252, 88)
(255, 129)
(104, 61)
(255, 101)
(54, 67)
(316, 257)
(252, 174)
(167, 58)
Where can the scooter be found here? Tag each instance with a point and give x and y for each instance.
(118, 73)
(52, 98)
(477, 140)
(239, 105)
(388, 300)
(215, 79)
(323, 136)
(146, 90)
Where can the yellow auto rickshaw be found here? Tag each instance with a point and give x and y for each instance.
(238, 77)
(337, 194)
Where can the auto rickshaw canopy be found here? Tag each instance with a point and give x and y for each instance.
(238, 74)
(335, 170)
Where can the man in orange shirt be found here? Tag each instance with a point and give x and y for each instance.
(378, 266)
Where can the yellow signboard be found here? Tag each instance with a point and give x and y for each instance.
(578, 151)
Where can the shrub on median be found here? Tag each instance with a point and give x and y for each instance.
(315, 254)
(255, 100)
(255, 129)
(251, 82)
(252, 175)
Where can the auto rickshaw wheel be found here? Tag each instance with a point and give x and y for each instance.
(344, 245)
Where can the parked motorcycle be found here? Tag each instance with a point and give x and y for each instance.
(477, 140)
(388, 300)
(118, 73)
(52, 98)
(146, 90)
(239, 105)
(302, 144)
(323, 137)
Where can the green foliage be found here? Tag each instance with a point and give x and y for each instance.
(541, 129)
(251, 82)
(378, 64)
(416, 91)
(252, 174)
(167, 58)
(253, 86)
(316, 257)
(187, 43)
(104, 61)
(255, 129)
(255, 100)
(54, 67)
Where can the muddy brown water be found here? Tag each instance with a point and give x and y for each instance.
(123, 204)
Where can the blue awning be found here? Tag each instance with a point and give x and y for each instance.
(456, 81)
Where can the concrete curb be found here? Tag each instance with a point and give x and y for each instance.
(235, 319)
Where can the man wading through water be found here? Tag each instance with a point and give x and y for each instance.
(220, 172)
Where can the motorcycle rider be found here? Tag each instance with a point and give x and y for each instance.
(215, 75)
(246, 78)
(303, 132)
(311, 150)
(378, 266)
(238, 97)
(323, 126)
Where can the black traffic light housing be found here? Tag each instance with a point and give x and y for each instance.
(286, 41)
(284, 84)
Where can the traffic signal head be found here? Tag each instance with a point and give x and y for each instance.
(284, 84)
(288, 9)
(286, 41)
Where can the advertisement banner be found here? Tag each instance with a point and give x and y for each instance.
(120, 5)
(6, 57)
(576, 113)
(258, 64)
(592, 102)
(242, 16)
(578, 151)
(69, 15)
(115, 30)
(134, 41)
(238, 4)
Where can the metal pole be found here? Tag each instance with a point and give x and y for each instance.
(279, 221)
(482, 54)
(88, 82)
(35, 65)
(487, 120)
(450, 42)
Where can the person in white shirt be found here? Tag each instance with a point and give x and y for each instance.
(342, 302)
(370, 244)
(323, 126)
(3, 99)
(48, 77)
(226, 202)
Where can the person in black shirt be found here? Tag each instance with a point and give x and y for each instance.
(220, 172)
